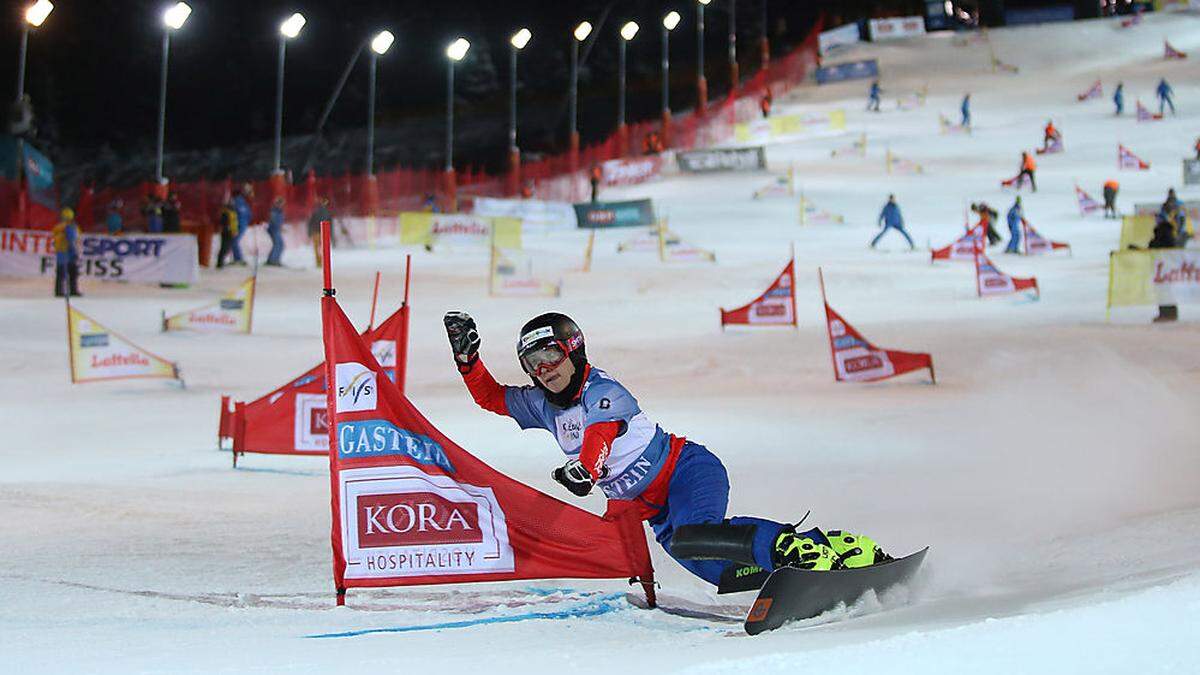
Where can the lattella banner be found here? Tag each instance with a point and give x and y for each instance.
(145, 258)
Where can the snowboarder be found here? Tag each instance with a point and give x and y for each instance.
(1119, 98)
(987, 218)
(1164, 93)
(1110, 198)
(275, 231)
(873, 96)
(1016, 218)
(66, 255)
(1028, 166)
(966, 110)
(890, 219)
(611, 443)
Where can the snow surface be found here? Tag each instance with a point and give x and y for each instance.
(1053, 468)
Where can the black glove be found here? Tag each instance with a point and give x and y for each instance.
(575, 477)
(464, 339)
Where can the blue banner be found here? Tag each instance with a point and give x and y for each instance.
(854, 70)
(1016, 17)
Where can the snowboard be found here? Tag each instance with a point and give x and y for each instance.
(793, 593)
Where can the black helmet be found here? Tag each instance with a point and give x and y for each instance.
(548, 339)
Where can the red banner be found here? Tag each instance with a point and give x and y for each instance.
(857, 360)
(1086, 203)
(1036, 244)
(963, 248)
(1144, 115)
(989, 280)
(410, 507)
(1095, 91)
(1127, 160)
(1170, 52)
(775, 307)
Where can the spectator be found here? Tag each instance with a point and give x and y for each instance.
(873, 96)
(241, 206)
(229, 230)
(596, 175)
(275, 230)
(319, 214)
(1164, 237)
(764, 104)
(112, 218)
(66, 255)
(152, 210)
(170, 214)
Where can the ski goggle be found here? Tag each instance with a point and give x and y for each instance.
(544, 358)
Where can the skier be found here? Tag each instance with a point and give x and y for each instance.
(1110, 198)
(275, 230)
(966, 110)
(66, 255)
(1119, 98)
(873, 96)
(1028, 166)
(890, 219)
(1016, 218)
(1164, 93)
(609, 441)
(1050, 135)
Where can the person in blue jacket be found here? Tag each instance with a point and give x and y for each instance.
(966, 110)
(873, 96)
(1164, 93)
(241, 205)
(275, 230)
(891, 219)
(112, 219)
(1016, 217)
(1119, 98)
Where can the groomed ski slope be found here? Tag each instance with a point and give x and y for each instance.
(1053, 469)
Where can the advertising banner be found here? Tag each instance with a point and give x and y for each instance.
(775, 307)
(600, 215)
(989, 280)
(964, 248)
(631, 171)
(853, 70)
(722, 159)
(535, 215)
(895, 28)
(98, 353)
(409, 506)
(782, 126)
(1137, 230)
(1162, 276)
(143, 258)
(837, 39)
(458, 230)
(233, 313)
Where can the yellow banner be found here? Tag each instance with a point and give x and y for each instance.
(234, 313)
(789, 125)
(430, 229)
(98, 353)
(1163, 276)
(1136, 231)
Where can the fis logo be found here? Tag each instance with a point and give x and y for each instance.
(356, 388)
(384, 352)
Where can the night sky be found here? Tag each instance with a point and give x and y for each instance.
(93, 68)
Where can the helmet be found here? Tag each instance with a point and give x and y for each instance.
(548, 339)
(68, 214)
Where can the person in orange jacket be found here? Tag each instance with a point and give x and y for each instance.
(1110, 198)
(1028, 166)
(1051, 135)
(764, 104)
(596, 176)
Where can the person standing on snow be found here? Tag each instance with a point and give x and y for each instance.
(873, 96)
(1016, 218)
(890, 219)
(241, 205)
(1028, 166)
(275, 231)
(66, 255)
(987, 218)
(1110, 198)
(1164, 237)
(1164, 93)
(678, 486)
(966, 110)
(1119, 98)
(1050, 135)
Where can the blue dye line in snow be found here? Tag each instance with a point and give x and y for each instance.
(595, 607)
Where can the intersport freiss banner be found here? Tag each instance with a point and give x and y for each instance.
(722, 159)
(775, 307)
(1162, 276)
(233, 313)
(411, 507)
(143, 258)
(601, 215)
